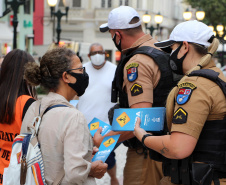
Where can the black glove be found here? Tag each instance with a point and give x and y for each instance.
(111, 112)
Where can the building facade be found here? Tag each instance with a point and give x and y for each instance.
(24, 29)
(85, 17)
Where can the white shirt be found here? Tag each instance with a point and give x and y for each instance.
(96, 100)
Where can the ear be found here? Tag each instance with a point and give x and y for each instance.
(185, 46)
(88, 56)
(65, 77)
(118, 34)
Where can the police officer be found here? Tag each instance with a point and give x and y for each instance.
(142, 79)
(196, 110)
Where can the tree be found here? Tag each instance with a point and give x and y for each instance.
(215, 10)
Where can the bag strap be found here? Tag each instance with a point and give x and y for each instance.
(39, 114)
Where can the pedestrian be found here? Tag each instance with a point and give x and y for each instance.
(142, 79)
(195, 109)
(64, 137)
(16, 95)
(101, 74)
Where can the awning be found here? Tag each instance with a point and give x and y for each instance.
(6, 34)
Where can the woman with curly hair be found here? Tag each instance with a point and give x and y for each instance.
(64, 137)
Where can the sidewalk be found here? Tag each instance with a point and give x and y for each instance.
(120, 162)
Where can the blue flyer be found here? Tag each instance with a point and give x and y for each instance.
(96, 123)
(74, 102)
(106, 147)
(152, 119)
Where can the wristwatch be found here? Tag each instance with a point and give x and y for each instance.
(143, 138)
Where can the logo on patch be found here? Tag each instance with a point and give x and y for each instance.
(132, 74)
(184, 93)
(94, 126)
(109, 142)
(136, 89)
(123, 119)
(180, 116)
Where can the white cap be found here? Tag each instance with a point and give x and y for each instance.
(119, 18)
(190, 31)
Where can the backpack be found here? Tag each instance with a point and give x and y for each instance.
(26, 164)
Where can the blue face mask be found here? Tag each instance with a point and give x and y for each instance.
(177, 64)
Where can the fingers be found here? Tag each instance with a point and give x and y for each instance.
(95, 150)
(137, 122)
(99, 130)
(99, 169)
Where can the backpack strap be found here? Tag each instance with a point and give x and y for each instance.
(27, 105)
(60, 176)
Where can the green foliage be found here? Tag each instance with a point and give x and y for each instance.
(215, 10)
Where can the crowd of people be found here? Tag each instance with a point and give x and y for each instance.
(177, 73)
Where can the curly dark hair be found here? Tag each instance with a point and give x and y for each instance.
(52, 65)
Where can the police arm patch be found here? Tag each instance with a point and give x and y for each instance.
(132, 72)
(184, 93)
(180, 116)
(136, 89)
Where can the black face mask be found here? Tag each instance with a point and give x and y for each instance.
(81, 84)
(118, 46)
(177, 64)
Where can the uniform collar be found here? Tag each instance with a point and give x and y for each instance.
(138, 43)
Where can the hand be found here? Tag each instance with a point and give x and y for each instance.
(95, 150)
(139, 132)
(98, 138)
(98, 169)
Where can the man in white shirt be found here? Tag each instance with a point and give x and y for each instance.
(97, 98)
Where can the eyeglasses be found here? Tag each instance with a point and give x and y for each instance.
(82, 69)
(96, 52)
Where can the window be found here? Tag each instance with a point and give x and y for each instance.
(106, 3)
(124, 2)
(27, 5)
(139, 5)
(75, 3)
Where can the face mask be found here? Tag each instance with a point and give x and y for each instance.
(97, 59)
(81, 84)
(175, 63)
(118, 46)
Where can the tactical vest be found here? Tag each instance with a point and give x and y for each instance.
(210, 149)
(166, 83)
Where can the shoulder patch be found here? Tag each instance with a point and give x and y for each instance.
(132, 65)
(132, 72)
(184, 93)
(136, 89)
(180, 116)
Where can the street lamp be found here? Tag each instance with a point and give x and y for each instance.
(187, 15)
(59, 14)
(14, 5)
(147, 18)
(200, 15)
(221, 35)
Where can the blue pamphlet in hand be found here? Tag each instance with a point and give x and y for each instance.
(106, 147)
(95, 124)
(152, 119)
(74, 102)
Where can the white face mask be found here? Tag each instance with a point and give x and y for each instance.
(97, 59)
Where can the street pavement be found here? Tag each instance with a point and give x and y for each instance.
(120, 162)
